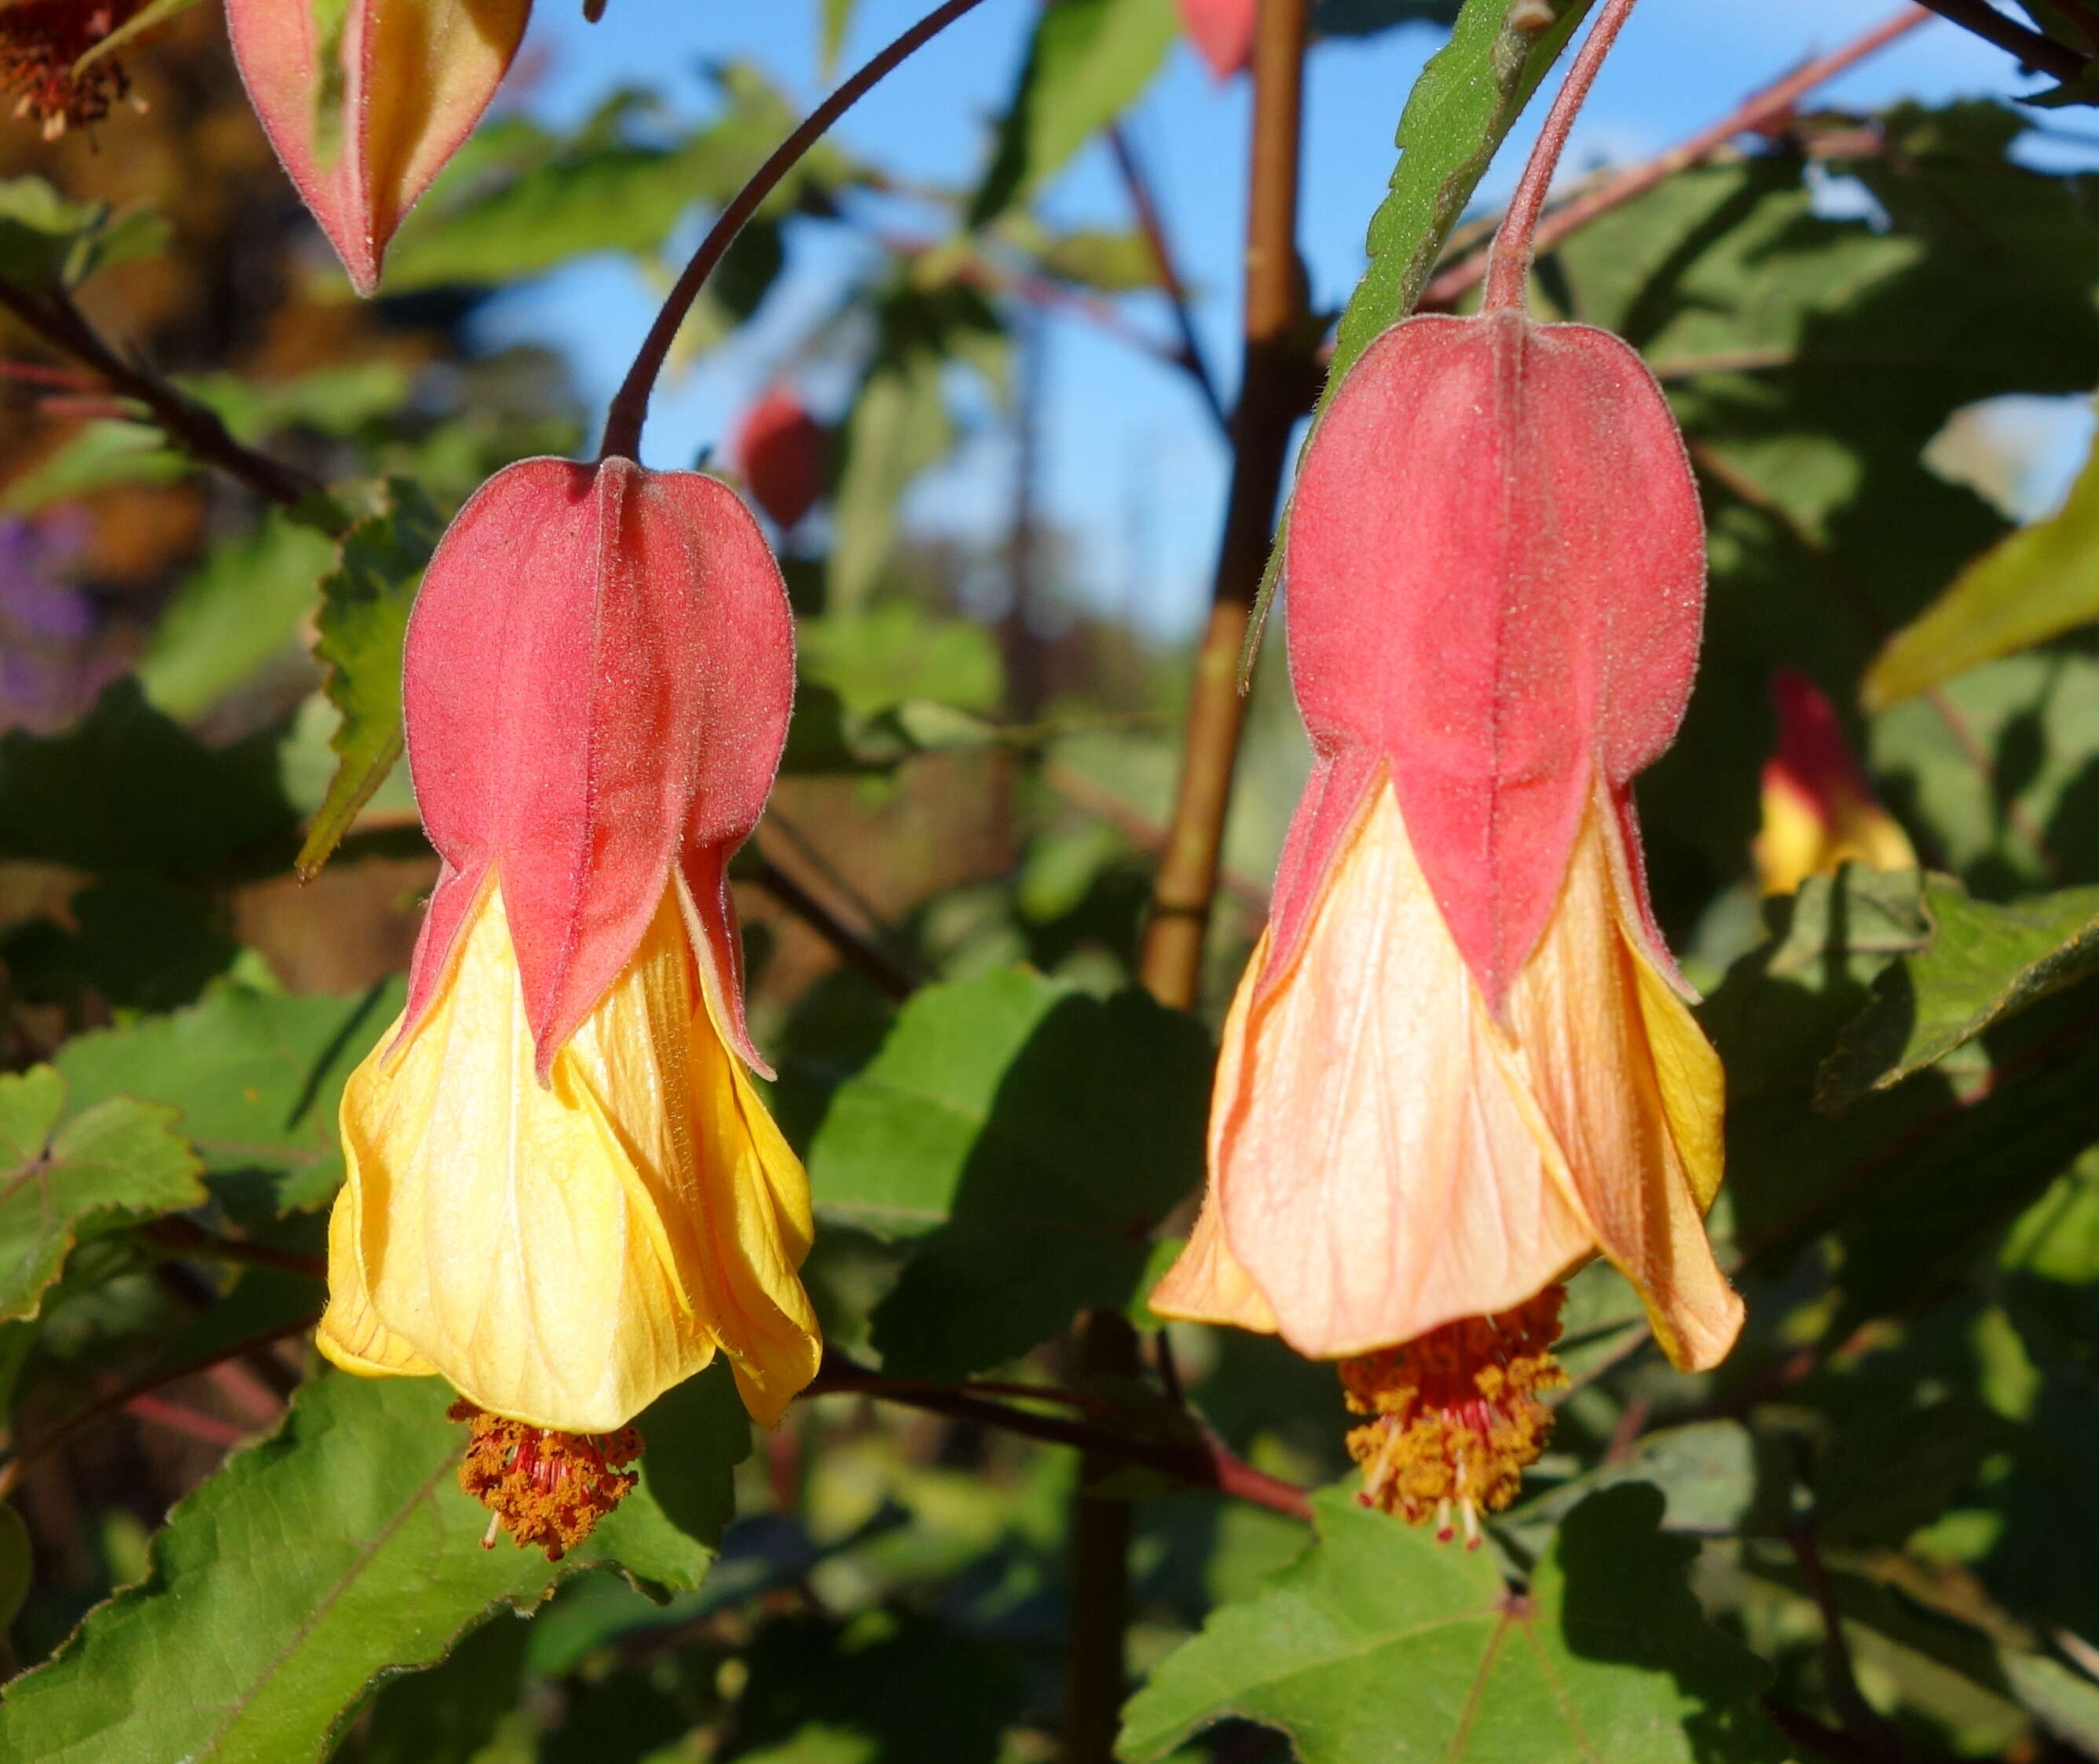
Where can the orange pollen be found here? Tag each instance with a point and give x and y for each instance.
(546, 1489)
(1457, 1415)
(41, 40)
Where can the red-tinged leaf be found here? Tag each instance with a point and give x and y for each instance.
(598, 676)
(780, 449)
(364, 100)
(1497, 579)
(1222, 33)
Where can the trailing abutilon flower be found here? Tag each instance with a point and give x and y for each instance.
(564, 1193)
(364, 101)
(1461, 1063)
(1819, 809)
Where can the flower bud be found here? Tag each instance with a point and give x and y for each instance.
(1819, 809)
(364, 101)
(779, 448)
(1222, 33)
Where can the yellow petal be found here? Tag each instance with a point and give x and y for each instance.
(1373, 1168)
(1801, 837)
(1631, 1095)
(562, 1254)
(350, 1333)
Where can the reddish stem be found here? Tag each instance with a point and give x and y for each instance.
(630, 404)
(1508, 262)
(1758, 110)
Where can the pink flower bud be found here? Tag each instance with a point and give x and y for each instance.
(1222, 33)
(364, 101)
(1818, 807)
(779, 448)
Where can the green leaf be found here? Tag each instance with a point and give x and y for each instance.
(838, 17)
(1027, 1136)
(236, 611)
(336, 401)
(528, 200)
(1381, 1646)
(1811, 360)
(258, 1077)
(46, 241)
(448, 1714)
(1983, 963)
(1087, 64)
(2065, 1702)
(877, 660)
(1717, 1478)
(153, 13)
(337, 1551)
(2033, 585)
(101, 454)
(365, 605)
(129, 790)
(118, 1162)
(897, 427)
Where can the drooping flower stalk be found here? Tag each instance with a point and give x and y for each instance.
(1461, 1063)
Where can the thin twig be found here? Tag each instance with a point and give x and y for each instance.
(1198, 1460)
(630, 404)
(1152, 225)
(870, 957)
(180, 1418)
(1758, 110)
(1103, 804)
(1866, 1728)
(1276, 385)
(13, 1471)
(185, 1237)
(2033, 49)
(193, 428)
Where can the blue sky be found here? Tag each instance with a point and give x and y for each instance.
(1132, 466)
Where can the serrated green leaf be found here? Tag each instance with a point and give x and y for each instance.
(1381, 1646)
(1983, 963)
(1086, 64)
(1028, 1137)
(2033, 585)
(338, 1550)
(110, 1165)
(236, 610)
(1716, 1477)
(258, 1077)
(447, 1714)
(364, 623)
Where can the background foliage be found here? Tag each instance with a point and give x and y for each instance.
(1869, 1536)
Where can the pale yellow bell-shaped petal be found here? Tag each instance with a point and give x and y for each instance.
(1372, 1174)
(1387, 1158)
(1630, 1094)
(563, 1253)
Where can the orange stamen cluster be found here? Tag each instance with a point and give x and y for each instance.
(40, 41)
(1458, 1418)
(546, 1489)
